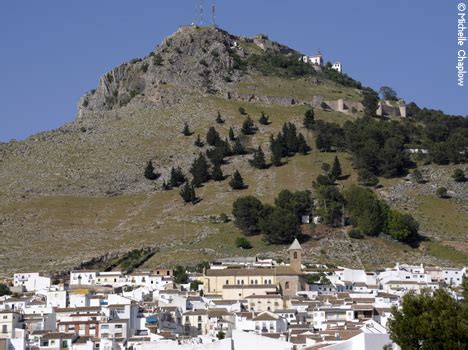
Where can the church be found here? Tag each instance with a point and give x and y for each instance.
(238, 283)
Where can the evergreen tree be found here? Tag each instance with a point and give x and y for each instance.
(246, 211)
(177, 177)
(336, 172)
(188, 193)
(290, 137)
(366, 178)
(370, 103)
(199, 171)
(276, 151)
(4, 290)
(430, 320)
(186, 130)
(226, 147)
(264, 119)
(322, 143)
(149, 171)
(237, 182)
(212, 136)
(198, 142)
(238, 148)
(248, 126)
(280, 226)
(232, 137)
(302, 146)
(258, 160)
(216, 155)
(217, 173)
(309, 119)
(219, 119)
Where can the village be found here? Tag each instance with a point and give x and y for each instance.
(235, 303)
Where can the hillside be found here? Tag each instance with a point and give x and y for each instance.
(78, 192)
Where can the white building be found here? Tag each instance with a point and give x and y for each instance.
(337, 66)
(31, 282)
(453, 276)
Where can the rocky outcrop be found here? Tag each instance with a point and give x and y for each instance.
(193, 57)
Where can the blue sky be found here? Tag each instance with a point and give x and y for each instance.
(53, 51)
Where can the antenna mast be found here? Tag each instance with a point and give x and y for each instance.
(201, 13)
(213, 14)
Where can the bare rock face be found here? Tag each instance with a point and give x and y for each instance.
(193, 57)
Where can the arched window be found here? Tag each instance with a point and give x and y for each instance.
(295, 255)
(286, 285)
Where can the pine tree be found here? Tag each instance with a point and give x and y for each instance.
(258, 160)
(188, 193)
(227, 150)
(216, 155)
(198, 142)
(232, 137)
(264, 119)
(336, 172)
(290, 137)
(248, 126)
(309, 119)
(199, 171)
(177, 177)
(237, 182)
(149, 171)
(217, 173)
(186, 130)
(212, 136)
(238, 148)
(276, 151)
(322, 143)
(302, 146)
(219, 119)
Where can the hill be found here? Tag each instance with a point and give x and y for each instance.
(78, 192)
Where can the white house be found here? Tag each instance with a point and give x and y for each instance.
(31, 282)
(337, 66)
(453, 276)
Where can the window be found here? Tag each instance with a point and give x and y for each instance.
(167, 273)
(227, 281)
(4, 328)
(105, 326)
(64, 344)
(199, 318)
(118, 326)
(199, 327)
(295, 255)
(286, 285)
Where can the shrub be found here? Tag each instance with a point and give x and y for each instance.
(441, 192)
(244, 243)
(458, 175)
(355, 234)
